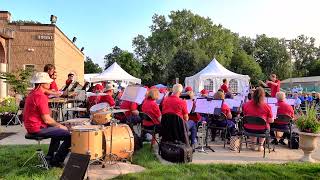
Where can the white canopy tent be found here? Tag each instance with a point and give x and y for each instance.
(210, 78)
(88, 76)
(115, 72)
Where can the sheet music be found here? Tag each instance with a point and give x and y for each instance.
(274, 111)
(207, 107)
(239, 97)
(211, 94)
(134, 94)
(291, 101)
(161, 96)
(233, 103)
(189, 105)
(271, 100)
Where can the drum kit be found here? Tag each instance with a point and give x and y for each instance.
(106, 141)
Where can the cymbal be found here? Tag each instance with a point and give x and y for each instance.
(113, 111)
(89, 94)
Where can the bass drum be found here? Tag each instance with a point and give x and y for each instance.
(87, 139)
(122, 142)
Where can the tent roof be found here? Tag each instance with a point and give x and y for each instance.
(115, 72)
(215, 69)
(88, 76)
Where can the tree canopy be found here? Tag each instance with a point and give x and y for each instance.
(183, 43)
(91, 67)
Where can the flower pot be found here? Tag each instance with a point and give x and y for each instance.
(308, 143)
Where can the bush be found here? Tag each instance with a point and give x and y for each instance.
(9, 105)
(309, 122)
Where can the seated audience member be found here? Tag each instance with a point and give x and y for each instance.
(108, 98)
(151, 108)
(224, 86)
(174, 105)
(316, 99)
(131, 116)
(283, 109)
(226, 111)
(297, 101)
(38, 122)
(258, 108)
(204, 93)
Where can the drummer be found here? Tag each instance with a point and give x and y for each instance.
(109, 90)
(38, 122)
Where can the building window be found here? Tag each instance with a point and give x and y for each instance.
(233, 85)
(29, 67)
(208, 84)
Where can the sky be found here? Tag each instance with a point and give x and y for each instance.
(99, 25)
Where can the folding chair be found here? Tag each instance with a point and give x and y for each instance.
(144, 130)
(283, 120)
(255, 121)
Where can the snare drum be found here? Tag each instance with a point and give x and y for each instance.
(76, 122)
(87, 140)
(97, 118)
(122, 142)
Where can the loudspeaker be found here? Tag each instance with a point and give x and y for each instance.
(76, 167)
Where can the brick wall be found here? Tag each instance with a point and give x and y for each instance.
(67, 58)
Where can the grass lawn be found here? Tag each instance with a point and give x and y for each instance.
(12, 157)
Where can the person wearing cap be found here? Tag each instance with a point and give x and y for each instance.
(70, 79)
(224, 86)
(204, 93)
(38, 122)
(92, 100)
(108, 98)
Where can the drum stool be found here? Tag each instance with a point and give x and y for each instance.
(39, 152)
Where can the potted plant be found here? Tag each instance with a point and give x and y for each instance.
(309, 127)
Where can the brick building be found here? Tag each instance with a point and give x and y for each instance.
(34, 45)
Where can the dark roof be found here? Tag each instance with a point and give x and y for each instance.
(5, 12)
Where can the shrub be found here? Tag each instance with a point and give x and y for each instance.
(309, 122)
(9, 105)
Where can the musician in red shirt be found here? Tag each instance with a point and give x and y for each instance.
(258, 108)
(53, 85)
(204, 93)
(131, 116)
(151, 108)
(274, 84)
(108, 98)
(70, 79)
(38, 122)
(283, 109)
(224, 86)
(53, 90)
(93, 100)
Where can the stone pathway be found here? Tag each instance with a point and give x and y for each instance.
(224, 155)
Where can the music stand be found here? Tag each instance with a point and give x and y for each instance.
(209, 107)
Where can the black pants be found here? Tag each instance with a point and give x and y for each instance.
(57, 135)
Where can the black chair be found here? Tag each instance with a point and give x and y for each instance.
(173, 129)
(39, 151)
(284, 120)
(216, 118)
(145, 130)
(265, 133)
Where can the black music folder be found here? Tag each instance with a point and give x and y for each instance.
(76, 167)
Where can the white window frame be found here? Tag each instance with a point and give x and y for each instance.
(25, 66)
(234, 87)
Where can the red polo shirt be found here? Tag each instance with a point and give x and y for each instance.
(36, 105)
(108, 99)
(225, 109)
(132, 106)
(225, 88)
(68, 82)
(151, 108)
(284, 109)
(173, 104)
(53, 86)
(263, 110)
(274, 88)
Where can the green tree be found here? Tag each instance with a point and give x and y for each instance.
(125, 59)
(91, 67)
(314, 68)
(272, 56)
(243, 63)
(304, 52)
(19, 81)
